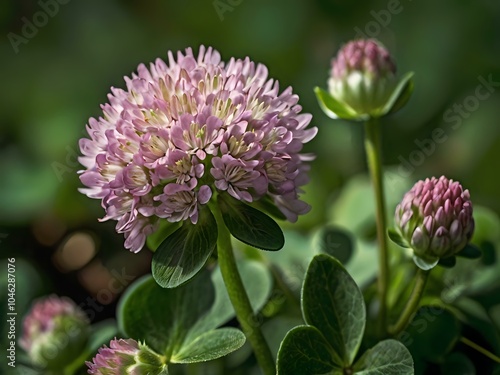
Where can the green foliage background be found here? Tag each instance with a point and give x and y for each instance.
(58, 79)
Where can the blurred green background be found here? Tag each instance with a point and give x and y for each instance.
(55, 77)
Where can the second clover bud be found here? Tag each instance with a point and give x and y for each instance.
(435, 220)
(363, 83)
(55, 332)
(127, 357)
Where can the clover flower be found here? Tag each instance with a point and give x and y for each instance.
(55, 331)
(363, 75)
(126, 357)
(186, 130)
(435, 219)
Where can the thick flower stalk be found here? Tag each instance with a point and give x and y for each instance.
(126, 357)
(435, 219)
(185, 130)
(55, 332)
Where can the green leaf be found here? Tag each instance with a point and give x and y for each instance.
(210, 345)
(457, 364)
(470, 251)
(337, 243)
(163, 317)
(334, 108)
(304, 350)
(448, 262)
(395, 237)
(258, 285)
(165, 229)
(182, 254)
(432, 333)
(333, 303)
(249, 225)
(388, 357)
(400, 95)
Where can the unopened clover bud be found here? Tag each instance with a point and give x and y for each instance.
(435, 220)
(127, 356)
(55, 332)
(363, 83)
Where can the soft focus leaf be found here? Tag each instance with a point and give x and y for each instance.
(304, 350)
(182, 254)
(457, 364)
(388, 357)
(432, 333)
(470, 251)
(249, 225)
(210, 345)
(336, 242)
(333, 303)
(448, 262)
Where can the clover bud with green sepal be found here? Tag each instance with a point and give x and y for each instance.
(55, 332)
(363, 83)
(127, 357)
(435, 220)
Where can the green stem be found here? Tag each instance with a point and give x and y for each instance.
(239, 297)
(480, 349)
(413, 302)
(374, 159)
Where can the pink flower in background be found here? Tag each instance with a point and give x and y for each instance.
(182, 131)
(126, 357)
(55, 330)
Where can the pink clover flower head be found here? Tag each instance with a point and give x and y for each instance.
(435, 218)
(363, 76)
(126, 356)
(54, 329)
(185, 130)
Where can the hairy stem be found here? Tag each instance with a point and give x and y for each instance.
(239, 298)
(374, 159)
(413, 302)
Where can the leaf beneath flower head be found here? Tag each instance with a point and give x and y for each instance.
(400, 95)
(335, 109)
(249, 225)
(183, 253)
(397, 238)
(425, 264)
